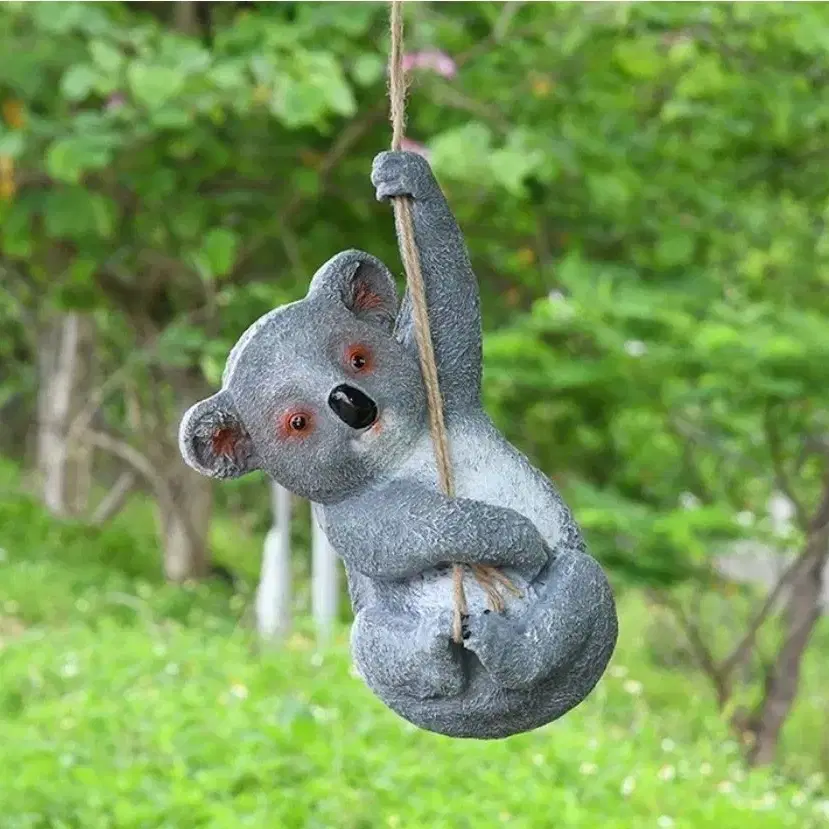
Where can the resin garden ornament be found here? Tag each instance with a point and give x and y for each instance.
(372, 411)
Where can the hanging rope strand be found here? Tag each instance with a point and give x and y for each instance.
(487, 576)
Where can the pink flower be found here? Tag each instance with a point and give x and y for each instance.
(414, 147)
(115, 101)
(431, 59)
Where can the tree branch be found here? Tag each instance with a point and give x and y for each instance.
(744, 647)
(144, 467)
(699, 436)
(133, 458)
(696, 641)
(781, 476)
(352, 132)
(112, 503)
(83, 419)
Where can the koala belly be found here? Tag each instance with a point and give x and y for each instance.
(487, 468)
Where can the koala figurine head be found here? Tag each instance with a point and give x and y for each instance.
(319, 394)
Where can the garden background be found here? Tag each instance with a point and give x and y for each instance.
(644, 193)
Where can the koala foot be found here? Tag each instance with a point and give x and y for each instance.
(502, 650)
(487, 634)
(441, 669)
(414, 656)
(402, 174)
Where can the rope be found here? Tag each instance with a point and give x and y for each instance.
(486, 576)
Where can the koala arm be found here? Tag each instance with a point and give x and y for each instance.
(450, 283)
(402, 529)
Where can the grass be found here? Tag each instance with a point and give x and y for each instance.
(128, 703)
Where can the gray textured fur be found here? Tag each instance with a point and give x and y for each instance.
(375, 490)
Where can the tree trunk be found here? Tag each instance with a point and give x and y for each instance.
(185, 523)
(186, 20)
(184, 498)
(801, 618)
(184, 526)
(273, 596)
(65, 355)
(183, 502)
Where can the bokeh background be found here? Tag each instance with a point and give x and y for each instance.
(644, 193)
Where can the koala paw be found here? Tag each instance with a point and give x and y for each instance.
(441, 673)
(399, 173)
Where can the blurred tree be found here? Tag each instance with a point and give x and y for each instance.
(140, 186)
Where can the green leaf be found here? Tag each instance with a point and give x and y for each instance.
(638, 58)
(62, 18)
(298, 103)
(212, 369)
(464, 153)
(228, 75)
(74, 296)
(81, 270)
(105, 215)
(106, 56)
(171, 117)
(152, 85)
(188, 220)
(339, 95)
(78, 82)
(307, 182)
(675, 249)
(12, 143)
(368, 69)
(704, 78)
(16, 230)
(219, 251)
(69, 158)
(75, 213)
(513, 163)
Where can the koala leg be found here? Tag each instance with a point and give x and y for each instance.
(411, 655)
(549, 637)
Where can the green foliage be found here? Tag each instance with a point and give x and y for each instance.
(66, 567)
(139, 728)
(70, 568)
(125, 703)
(640, 186)
(218, 252)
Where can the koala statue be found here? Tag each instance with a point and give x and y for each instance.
(325, 395)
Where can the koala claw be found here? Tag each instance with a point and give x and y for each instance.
(493, 639)
(479, 629)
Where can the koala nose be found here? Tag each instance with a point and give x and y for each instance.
(354, 408)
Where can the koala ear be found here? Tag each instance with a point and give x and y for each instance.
(362, 283)
(213, 440)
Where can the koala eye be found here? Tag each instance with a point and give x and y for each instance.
(296, 424)
(358, 358)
